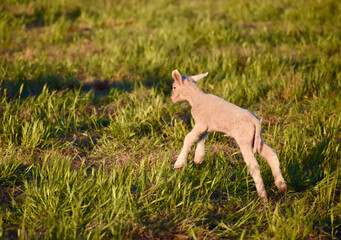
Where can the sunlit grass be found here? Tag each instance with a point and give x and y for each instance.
(88, 135)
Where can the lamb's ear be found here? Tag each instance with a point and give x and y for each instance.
(199, 76)
(176, 76)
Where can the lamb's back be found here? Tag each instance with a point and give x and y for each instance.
(218, 114)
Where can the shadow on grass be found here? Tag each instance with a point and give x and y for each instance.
(100, 87)
(12, 180)
(306, 173)
(44, 15)
(34, 87)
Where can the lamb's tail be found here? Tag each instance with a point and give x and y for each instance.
(257, 141)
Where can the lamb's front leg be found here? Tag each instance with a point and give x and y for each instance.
(189, 140)
(200, 150)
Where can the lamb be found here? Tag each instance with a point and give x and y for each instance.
(212, 113)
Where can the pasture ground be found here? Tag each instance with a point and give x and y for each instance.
(88, 134)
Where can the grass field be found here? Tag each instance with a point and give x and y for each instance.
(88, 135)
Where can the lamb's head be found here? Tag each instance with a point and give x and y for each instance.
(183, 85)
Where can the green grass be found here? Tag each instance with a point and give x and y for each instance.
(88, 134)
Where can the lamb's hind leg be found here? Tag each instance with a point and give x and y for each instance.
(200, 150)
(253, 165)
(271, 157)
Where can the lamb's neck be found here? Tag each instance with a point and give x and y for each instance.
(194, 96)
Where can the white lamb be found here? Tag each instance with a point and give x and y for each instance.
(212, 113)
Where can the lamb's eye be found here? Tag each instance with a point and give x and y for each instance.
(174, 87)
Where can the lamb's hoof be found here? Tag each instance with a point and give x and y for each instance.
(198, 160)
(282, 187)
(263, 196)
(264, 199)
(178, 166)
